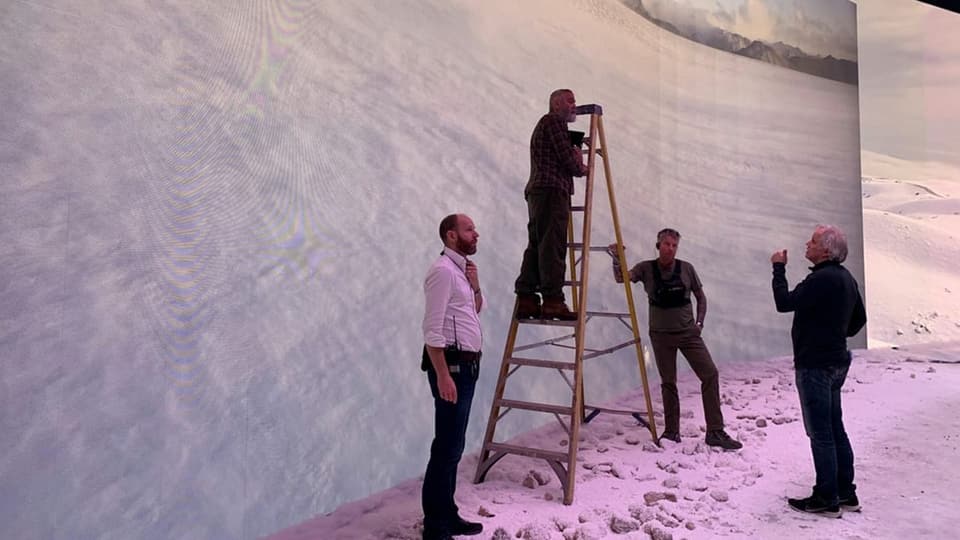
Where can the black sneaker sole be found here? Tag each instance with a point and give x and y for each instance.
(825, 512)
(850, 507)
(719, 446)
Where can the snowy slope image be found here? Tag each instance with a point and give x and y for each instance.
(215, 221)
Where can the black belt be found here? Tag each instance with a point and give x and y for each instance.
(454, 357)
(462, 361)
(457, 356)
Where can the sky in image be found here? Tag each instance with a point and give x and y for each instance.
(819, 27)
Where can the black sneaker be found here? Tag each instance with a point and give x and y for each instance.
(719, 437)
(463, 527)
(850, 503)
(670, 436)
(815, 505)
(429, 534)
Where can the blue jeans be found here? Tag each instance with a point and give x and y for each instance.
(450, 429)
(819, 390)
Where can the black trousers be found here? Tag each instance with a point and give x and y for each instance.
(450, 428)
(544, 261)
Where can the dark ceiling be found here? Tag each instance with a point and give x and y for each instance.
(947, 5)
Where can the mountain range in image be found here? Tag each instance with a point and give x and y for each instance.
(778, 54)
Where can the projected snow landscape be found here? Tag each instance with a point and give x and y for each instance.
(215, 221)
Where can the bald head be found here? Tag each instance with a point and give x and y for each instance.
(448, 224)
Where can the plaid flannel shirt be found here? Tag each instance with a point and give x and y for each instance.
(554, 161)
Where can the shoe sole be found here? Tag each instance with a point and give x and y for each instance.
(850, 508)
(824, 513)
(720, 447)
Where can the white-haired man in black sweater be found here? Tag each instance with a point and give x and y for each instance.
(827, 309)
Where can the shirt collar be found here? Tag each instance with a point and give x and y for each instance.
(824, 264)
(457, 258)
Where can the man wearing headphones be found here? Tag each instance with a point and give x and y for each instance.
(668, 282)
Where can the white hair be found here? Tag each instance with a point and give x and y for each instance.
(833, 241)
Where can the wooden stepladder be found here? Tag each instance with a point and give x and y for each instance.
(563, 461)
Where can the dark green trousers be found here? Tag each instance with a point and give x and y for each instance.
(544, 261)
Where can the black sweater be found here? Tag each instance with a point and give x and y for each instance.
(828, 309)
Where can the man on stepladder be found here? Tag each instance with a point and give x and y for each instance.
(668, 282)
(451, 358)
(554, 161)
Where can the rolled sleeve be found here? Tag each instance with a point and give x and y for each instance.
(437, 288)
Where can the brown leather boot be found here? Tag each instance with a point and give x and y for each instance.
(528, 306)
(555, 308)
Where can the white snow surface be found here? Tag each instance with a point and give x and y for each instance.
(905, 460)
(911, 217)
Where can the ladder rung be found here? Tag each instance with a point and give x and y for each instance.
(612, 411)
(529, 452)
(548, 322)
(607, 314)
(579, 245)
(577, 208)
(539, 407)
(576, 283)
(536, 362)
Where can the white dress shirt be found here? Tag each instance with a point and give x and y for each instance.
(451, 314)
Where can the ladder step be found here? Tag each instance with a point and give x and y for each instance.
(536, 362)
(607, 314)
(548, 322)
(577, 208)
(613, 411)
(592, 108)
(529, 452)
(569, 283)
(579, 245)
(539, 407)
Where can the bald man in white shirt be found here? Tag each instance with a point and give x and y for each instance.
(451, 358)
